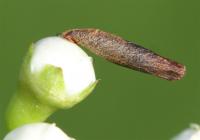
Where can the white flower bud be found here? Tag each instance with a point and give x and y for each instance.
(59, 72)
(192, 133)
(37, 131)
(56, 74)
(76, 65)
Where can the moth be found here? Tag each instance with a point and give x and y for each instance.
(125, 53)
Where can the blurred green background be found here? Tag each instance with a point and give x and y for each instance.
(126, 105)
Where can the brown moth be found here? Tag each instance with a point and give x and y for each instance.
(127, 54)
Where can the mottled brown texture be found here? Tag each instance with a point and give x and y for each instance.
(127, 54)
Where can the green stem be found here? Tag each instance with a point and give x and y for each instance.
(25, 108)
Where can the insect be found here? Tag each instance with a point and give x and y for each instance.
(127, 54)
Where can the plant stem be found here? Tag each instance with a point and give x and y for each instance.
(25, 108)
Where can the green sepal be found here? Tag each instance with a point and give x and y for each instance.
(49, 88)
(48, 85)
(70, 101)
